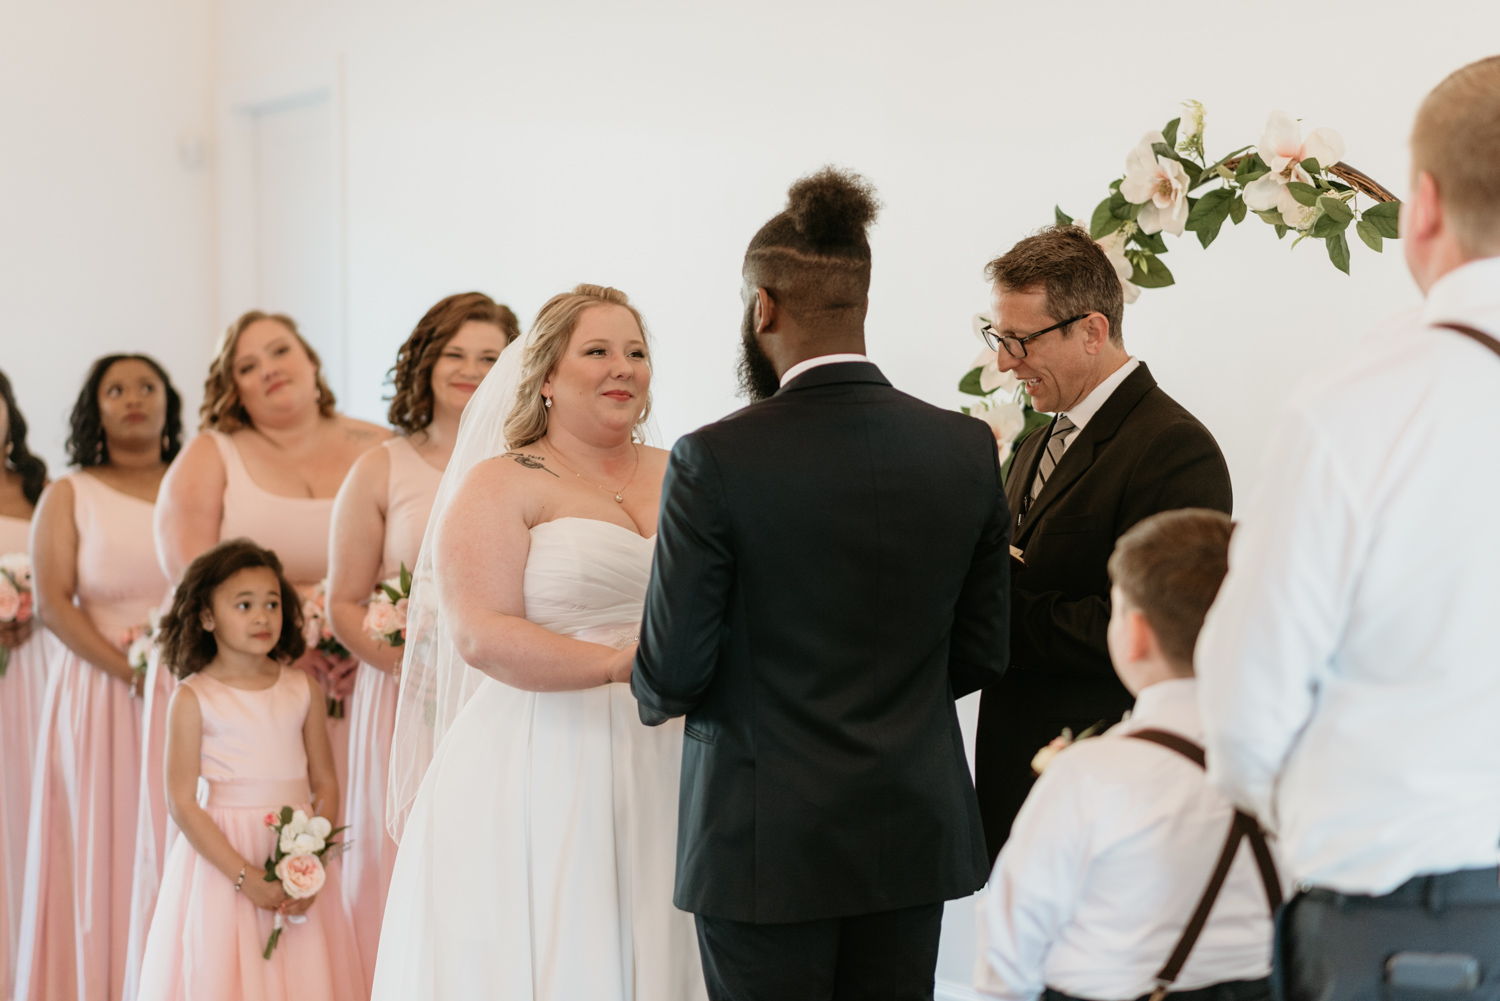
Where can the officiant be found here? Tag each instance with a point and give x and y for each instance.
(1118, 450)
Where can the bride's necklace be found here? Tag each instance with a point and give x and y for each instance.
(619, 494)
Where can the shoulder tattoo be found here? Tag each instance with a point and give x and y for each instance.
(529, 461)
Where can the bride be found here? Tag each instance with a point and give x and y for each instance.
(537, 850)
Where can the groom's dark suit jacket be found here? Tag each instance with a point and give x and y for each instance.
(827, 576)
(1140, 453)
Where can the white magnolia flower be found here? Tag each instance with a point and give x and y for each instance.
(1158, 184)
(1113, 245)
(1006, 421)
(1283, 149)
(1190, 133)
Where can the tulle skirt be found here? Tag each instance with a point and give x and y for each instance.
(206, 939)
(371, 856)
(23, 691)
(80, 848)
(154, 830)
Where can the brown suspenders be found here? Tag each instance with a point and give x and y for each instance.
(1242, 826)
(1473, 334)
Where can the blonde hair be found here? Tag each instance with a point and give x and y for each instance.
(222, 409)
(1456, 140)
(550, 334)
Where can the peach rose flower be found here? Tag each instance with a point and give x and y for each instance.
(301, 875)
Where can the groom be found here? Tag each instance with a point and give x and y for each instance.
(828, 568)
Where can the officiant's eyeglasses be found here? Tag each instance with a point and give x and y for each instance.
(1016, 346)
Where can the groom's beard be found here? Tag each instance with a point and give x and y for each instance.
(758, 378)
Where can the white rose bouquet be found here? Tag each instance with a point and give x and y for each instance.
(303, 845)
(317, 630)
(16, 603)
(385, 616)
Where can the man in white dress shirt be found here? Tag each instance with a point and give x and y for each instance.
(1113, 850)
(1350, 669)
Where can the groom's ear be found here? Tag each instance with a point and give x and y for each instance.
(767, 313)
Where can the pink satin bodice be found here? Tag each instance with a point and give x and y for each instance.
(119, 581)
(295, 528)
(411, 490)
(253, 736)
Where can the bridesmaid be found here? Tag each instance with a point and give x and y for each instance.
(96, 584)
(272, 456)
(23, 681)
(378, 521)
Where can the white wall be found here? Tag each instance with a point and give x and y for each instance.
(105, 232)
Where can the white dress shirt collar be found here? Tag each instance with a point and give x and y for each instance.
(1086, 408)
(811, 363)
(1473, 287)
(1167, 705)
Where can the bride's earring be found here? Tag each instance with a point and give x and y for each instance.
(547, 402)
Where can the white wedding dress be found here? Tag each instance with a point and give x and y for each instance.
(539, 856)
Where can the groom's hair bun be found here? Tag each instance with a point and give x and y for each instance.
(814, 256)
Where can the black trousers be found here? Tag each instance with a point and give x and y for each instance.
(888, 956)
(1334, 946)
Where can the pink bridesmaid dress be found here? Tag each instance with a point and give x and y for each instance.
(81, 835)
(296, 528)
(22, 689)
(367, 865)
(206, 939)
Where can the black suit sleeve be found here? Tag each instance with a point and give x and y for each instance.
(980, 646)
(1181, 467)
(689, 593)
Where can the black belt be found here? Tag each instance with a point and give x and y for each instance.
(1229, 990)
(1464, 888)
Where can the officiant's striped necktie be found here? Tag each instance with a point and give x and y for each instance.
(1057, 440)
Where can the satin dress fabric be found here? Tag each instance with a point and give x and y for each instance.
(539, 857)
(410, 490)
(80, 851)
(206, 939)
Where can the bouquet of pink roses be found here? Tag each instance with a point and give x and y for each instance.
(16, 605)
(303, 844)
(385, 618)
(317, 630)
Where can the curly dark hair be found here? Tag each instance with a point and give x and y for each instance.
(411, 376)
(186, 647)
(17, 456)
(86, 442)
(221, 409)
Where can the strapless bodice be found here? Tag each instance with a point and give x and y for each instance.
(583, 574)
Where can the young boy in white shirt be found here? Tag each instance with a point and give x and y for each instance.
(1110, 858)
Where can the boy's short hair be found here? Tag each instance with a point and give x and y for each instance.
(1170, 566)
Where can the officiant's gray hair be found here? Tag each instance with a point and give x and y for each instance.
(550, 334)
(1456, 140)
(1073, 271)
(813, 257)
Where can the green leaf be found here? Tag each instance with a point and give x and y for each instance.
(1150, 241)
(1158, 277)
(390, 592)
(1122, 209)
(1281, 230)
(1169, 133)
(1209, 214)
(970, 383)
(1312, 166)
(405, 579)
(1336, 208)
(286, 815)
(1251, 168)
(1333, 216)
(1368, 233)
(1063, 219)
(1338, 252)
(1385, 217)
(1237, 209)
(1304, 193)
(1104, 221)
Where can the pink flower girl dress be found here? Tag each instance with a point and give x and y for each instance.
(411, 489)
(206, 939)
(22, 688)
(81, 840)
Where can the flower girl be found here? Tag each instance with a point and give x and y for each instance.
(250, 732)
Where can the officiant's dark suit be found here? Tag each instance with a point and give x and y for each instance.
(1139, 454)
(828, 566)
